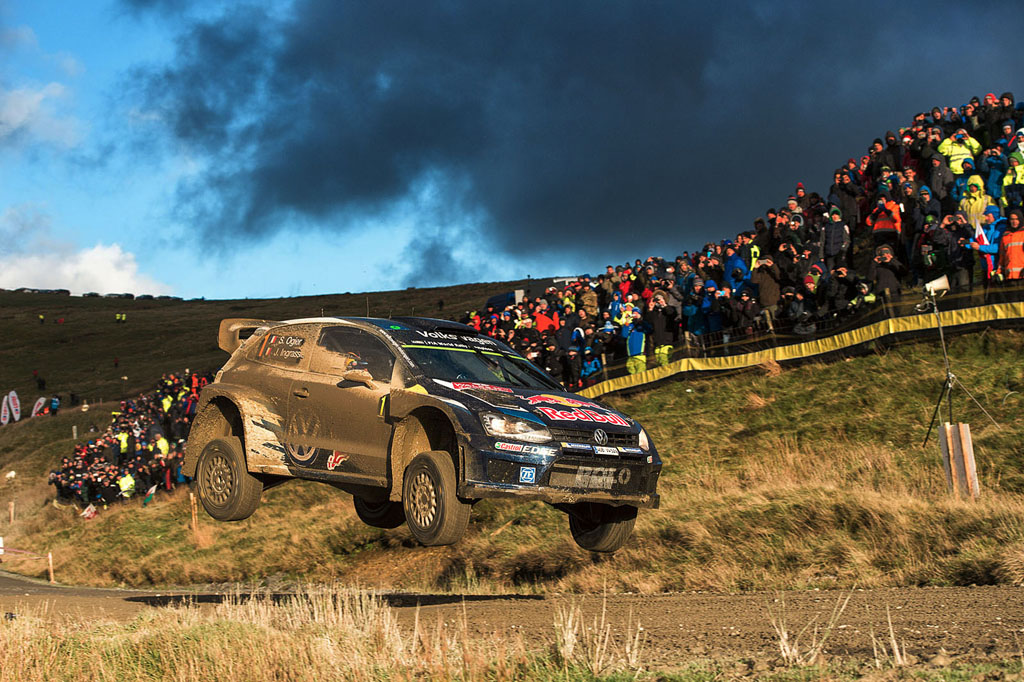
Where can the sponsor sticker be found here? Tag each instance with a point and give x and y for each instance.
(605, 450)
(335, 459)
(579, 447)
(525, 449)
(527, 474)
(463, 385)
(555, 414)
(631, 451)
(557, 400)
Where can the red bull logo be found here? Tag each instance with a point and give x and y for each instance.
(565, 401)
(554, 414)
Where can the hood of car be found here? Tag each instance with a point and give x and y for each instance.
(553, 408)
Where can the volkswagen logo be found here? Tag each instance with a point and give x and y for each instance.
(600, 437)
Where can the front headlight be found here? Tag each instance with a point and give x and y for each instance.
(514, 428)
(645, 444)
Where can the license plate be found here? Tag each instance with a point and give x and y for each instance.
(597, 478)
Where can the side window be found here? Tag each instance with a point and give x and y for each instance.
(344, 348)
(281, 346)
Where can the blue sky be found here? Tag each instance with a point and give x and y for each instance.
(233, 150)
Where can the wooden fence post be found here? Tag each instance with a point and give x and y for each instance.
(49, 566)
(10, 511)
(958, 460)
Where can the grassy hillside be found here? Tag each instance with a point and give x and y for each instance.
(812, 476)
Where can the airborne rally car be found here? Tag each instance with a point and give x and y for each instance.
(417, 419)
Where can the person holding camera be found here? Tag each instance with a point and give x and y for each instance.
(886, 272)
(663, 322)
(957, 147)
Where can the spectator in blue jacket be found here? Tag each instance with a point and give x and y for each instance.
(992, 227)
(635, 335)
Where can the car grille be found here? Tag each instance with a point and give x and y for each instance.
(587, 436)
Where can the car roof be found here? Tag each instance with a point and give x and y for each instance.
(394, 323)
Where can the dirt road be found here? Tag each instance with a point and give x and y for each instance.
(976, 622)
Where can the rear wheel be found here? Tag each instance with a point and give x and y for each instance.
(379, 514)
(601, 527)
(226, 489)
(434, 514)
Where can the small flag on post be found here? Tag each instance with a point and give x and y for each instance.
(149, 496)
(89, 512)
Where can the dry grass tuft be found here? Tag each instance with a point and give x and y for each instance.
(771, 368)
(757, 402)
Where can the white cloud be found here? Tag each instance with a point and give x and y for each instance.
(28, 113)
(30, 257)
(18, 36)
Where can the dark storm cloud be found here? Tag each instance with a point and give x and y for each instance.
(590, 128)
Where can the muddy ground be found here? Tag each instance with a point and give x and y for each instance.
(963, 623)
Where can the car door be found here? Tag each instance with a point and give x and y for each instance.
(278, 357)
(349, 414)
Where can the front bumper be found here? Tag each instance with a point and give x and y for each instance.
(560, 476)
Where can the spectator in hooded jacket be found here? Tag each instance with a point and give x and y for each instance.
(1013, 182)
(835, 240)
(957, 147)
(941, 180)
(885, 271)
(661, 319)
(986, 241)
(975, 201)
(635, 335)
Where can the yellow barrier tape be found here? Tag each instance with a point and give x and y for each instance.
(808, 349)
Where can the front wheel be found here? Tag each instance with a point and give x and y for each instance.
(226, 488)
(379, 514)
(601, 527)
(434, 514)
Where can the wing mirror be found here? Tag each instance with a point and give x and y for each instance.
(358, 376)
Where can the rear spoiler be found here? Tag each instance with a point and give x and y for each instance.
(234, 330)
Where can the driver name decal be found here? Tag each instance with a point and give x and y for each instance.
(463, 385)
(554, 414)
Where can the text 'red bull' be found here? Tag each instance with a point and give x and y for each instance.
(582, 415)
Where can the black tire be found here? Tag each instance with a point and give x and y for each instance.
(379, 514)
(601, 527)
(434, 514)
(226, 489)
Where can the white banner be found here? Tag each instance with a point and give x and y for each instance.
(38, 407)
(12, 400)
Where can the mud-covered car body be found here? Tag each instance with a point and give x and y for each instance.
(350, 401)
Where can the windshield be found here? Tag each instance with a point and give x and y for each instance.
(480, 366)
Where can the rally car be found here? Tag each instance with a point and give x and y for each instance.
(418, 419)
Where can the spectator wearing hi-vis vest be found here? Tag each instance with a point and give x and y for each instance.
(1011, 247)
(885, 221)
(957, 147)
(161, 444)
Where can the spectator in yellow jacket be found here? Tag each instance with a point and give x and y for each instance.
(957, 147)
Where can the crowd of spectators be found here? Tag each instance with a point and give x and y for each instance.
(941, 196)
(142, 447)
